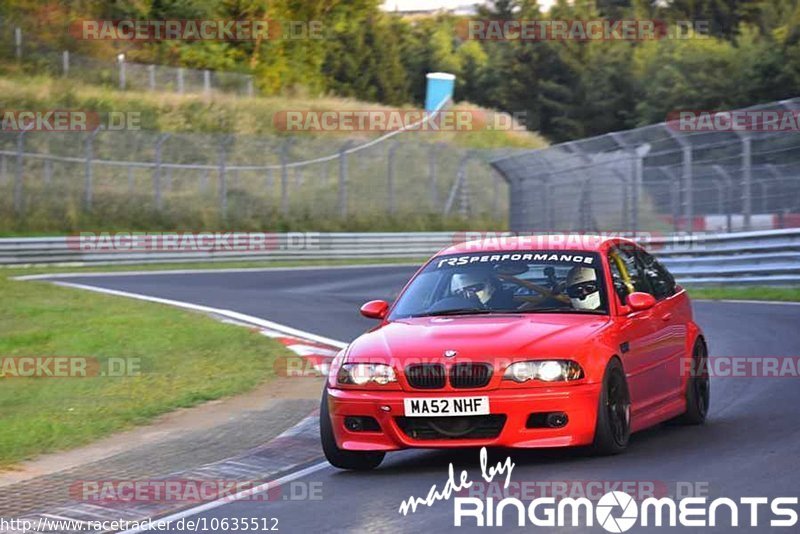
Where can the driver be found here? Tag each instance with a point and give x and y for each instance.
(583, 288)
(474, 285)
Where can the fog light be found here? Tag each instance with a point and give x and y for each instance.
(547, 420)
(363, 423)
(557, 419)
(353, 424)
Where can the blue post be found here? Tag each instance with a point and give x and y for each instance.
(439, 89)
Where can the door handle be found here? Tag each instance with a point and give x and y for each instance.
(666, 317)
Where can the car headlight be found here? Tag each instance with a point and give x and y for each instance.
(544, 370)
(360, 374)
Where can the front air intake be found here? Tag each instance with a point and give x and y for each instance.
(426, 376)
(470, 375)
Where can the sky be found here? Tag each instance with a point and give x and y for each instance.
(405, 5)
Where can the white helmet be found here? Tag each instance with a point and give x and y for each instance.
(583, 289)
(472, 283)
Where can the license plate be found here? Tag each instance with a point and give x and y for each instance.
(446, 406)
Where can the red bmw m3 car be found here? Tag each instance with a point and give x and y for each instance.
(538, 341)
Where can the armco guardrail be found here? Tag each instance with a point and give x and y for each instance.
(767, 257)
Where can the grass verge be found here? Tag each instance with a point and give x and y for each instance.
(781, 294)
(183, 359)
(88, 269)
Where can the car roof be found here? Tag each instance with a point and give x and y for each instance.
(503, 242)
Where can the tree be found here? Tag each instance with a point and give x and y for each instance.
(724, 16)
(685, 74)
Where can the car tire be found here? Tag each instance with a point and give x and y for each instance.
(613, 427)
(353, 460)
(698, 387)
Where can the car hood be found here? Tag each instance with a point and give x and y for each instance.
(479, 337)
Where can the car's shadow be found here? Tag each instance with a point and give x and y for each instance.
(666, 441)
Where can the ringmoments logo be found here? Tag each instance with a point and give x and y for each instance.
(615, 511)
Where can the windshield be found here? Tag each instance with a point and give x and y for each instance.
(506, 282)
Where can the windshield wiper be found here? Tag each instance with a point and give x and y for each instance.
(489, 311)
(455, 311)
(555, 309)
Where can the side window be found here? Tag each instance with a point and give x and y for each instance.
(627, 274)
(659, 277)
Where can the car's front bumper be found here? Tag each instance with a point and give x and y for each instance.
(579, 402)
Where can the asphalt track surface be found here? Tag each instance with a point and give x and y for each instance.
(750, 445)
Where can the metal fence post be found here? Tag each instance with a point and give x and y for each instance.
(157, 170)
(747, 182)
(249, 86)
(223, 185)
(457, 187)
(586, 222)
(548, 206)
(18, 191)
(285, 177)
(688, 184)
(625, 184)
(88, 178)
(151, 77)
(343, 179)
(207, 82)
(65, 63)
(638, 153)
(465, 204)
(122, 73)
(687, 178)
(18, 43)
(674, 185)
(130, 180)
(728, 197)
(550, 194)
(390, 193)
(638, 176)
(3, 169)
(180, 80)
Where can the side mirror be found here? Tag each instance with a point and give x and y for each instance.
(375, 309)
(639, 301)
